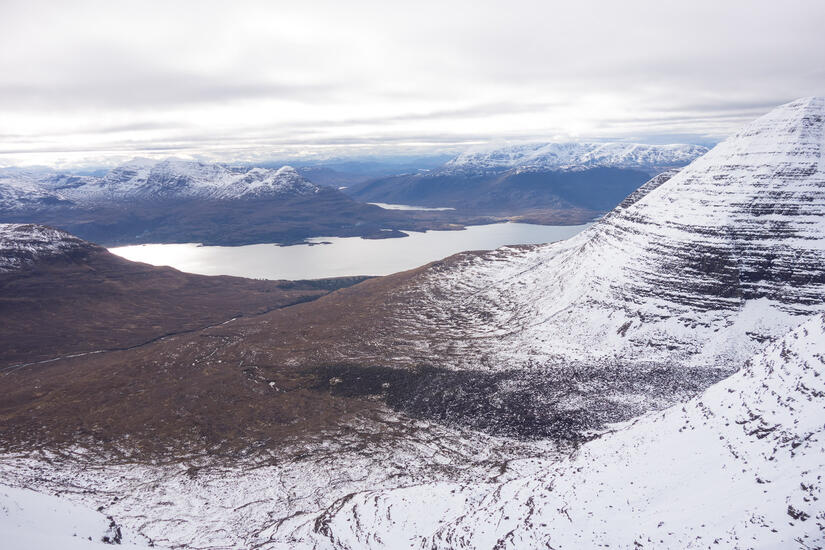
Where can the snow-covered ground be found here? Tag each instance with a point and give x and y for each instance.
(199, 502)
(740, 466)
(35, 521)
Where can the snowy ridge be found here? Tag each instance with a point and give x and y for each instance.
(697, 270)
(23, 244)
(574, 156)
(146, 179)
(739, 466)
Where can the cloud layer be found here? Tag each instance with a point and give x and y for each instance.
(86, 82)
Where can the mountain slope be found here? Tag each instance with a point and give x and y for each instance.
(37, 521)
(700, 269)
(649, 306)
(739, 467)
(60, 295)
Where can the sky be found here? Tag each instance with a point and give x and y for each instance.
(95, 83)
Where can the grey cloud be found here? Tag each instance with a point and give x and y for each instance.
(77, 76)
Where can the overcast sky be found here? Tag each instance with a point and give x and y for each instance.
(97, 82)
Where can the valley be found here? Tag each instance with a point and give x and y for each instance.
(653, 380)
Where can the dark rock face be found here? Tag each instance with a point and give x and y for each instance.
(528, 404)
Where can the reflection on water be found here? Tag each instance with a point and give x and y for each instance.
(343, 255)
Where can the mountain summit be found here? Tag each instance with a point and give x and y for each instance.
(699, 269)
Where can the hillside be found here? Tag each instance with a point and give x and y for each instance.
(738, 466)
(60, 295)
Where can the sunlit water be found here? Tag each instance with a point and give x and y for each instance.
(388, 206)
(344, 255)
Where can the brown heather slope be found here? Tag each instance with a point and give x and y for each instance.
(254, 381)
(89, 299)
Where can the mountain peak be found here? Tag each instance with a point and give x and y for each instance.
(698, 270)
(286, 170)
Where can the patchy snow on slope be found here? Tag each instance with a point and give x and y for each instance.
(740, 466)
(21, 244)
(200, 502)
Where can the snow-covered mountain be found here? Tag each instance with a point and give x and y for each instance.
(146, 179)
(143, 178)
(574, 156)
(519, 179)
(739, 467)
(22, 244)
(698, 270)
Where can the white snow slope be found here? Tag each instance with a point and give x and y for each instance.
(740, 466)
(699, 271)
(35, 521)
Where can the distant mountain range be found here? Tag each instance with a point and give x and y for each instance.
(177, 200)
(547, 157)
(525, 178)
(149, 180)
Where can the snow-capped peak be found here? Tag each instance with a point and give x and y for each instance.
(286, 170)
(701, 269)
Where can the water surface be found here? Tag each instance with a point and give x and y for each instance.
(342, 256)
(388, 206)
